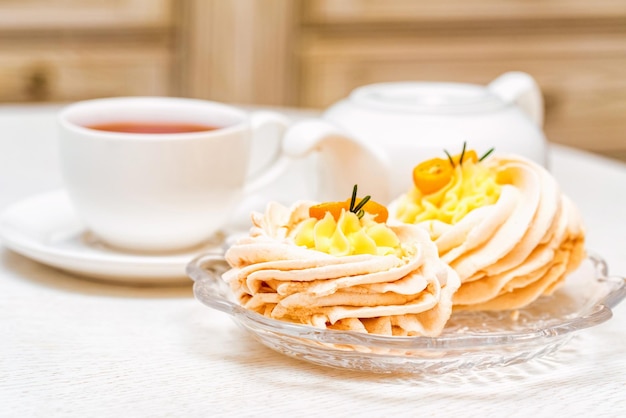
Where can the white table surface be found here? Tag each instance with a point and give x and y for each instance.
(75, 347)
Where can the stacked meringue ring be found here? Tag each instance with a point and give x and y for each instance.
(346, 273)
(508, 231)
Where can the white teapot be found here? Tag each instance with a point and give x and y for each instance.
(378, 134)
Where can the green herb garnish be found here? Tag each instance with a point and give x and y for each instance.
(462, 153)
(462, 156)
(486, 154)
(449, 158)
(358, 209)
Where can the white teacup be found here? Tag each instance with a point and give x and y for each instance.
(163, 191)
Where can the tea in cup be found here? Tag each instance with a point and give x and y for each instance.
(163, 174)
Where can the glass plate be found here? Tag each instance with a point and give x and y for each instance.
(471, 340)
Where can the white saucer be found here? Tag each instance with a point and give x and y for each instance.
(45, 228)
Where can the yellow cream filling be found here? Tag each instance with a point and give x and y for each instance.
(348, 235)
(471, 186)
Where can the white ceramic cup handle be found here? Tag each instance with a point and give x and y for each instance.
(267, 132)
(521, 89)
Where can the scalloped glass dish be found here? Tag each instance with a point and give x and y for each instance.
(471, 340)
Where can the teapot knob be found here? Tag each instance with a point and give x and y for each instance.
(521, 89)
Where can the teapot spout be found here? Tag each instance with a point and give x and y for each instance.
(342, 161)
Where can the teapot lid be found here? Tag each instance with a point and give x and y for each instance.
(427, 97)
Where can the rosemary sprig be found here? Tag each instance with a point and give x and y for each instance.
(462, 153)
(462, 156)
(358, 209)
(361, 204)
(353, 199)
(449, 158)
(486, 154)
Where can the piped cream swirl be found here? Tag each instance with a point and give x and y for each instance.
(407, 292)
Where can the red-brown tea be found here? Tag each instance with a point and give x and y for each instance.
(151, 127)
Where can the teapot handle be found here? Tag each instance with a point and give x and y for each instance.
(521, 89)
(343, 160)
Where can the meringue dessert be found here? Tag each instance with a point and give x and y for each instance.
(339, 265)
(500, 221)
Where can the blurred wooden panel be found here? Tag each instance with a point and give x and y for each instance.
(419, 11)
(49, 72)
(238, 51)
(581, 74)
(24, 15)
(63, 50)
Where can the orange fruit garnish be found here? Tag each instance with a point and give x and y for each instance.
(334, 208)
(374, 208)
(431, 175)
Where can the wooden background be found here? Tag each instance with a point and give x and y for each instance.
(310, 53)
